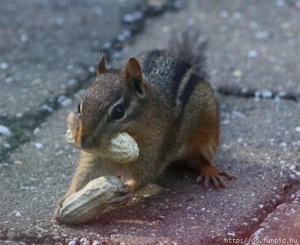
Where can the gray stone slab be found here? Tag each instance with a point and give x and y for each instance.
(252, 46)
(175, 209)
(282, 226)
(45, 43)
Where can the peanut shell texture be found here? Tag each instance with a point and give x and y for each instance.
(87, 203)
(122, 148)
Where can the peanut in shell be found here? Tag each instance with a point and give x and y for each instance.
(87, 203)
(122, 148)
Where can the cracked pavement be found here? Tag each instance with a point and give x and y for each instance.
(48, 53)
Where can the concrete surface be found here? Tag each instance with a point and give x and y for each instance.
(47, 42)
(253, 46)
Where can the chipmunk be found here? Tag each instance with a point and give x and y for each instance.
(163, 104)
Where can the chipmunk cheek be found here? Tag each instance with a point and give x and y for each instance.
(85, 142)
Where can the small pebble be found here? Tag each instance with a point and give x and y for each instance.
(134, 17)
(237, 73)
(66, 102)
(70, 66)
(61, 99)
(280, 3)
(36, 131)
(3, 65)
(224, 14)
(60, 21)
(24, 38)
(262, 34)
(266, 94)
(281, 94)
(252, 53)
(17, 213)
(73, 83)
(99, 11)
(244, 90)
(72, 242)
(84, 241)
(47, 108)
(294, 175)
(156, 7)
(237, 15)
(92, 69)
(107, 46)
(283, 144)
(226, 121)
(124, 35)
(253, 25)
(257, 94)
(38, 145)
(161, 217)
(18, 162)
(5, 131)
(177, 5)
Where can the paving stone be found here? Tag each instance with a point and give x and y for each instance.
(281, 226)
(174, 209)
(48, 43)
(251, 46)
(260, 140)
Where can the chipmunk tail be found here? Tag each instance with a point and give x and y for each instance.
(191, 46)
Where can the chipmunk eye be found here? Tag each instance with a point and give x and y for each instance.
(79, 109)
(117, 112)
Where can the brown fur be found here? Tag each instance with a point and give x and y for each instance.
(169, 119)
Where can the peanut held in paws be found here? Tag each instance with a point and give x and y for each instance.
(87, 203)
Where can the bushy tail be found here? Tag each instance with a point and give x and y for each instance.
(191, 46)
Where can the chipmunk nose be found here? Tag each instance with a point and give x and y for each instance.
(85, 142)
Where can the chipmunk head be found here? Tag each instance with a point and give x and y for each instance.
(112, 104)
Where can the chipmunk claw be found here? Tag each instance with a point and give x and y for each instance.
(56, 219)
(216, 181)
(209, 176)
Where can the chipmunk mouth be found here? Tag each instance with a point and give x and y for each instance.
(83, 145)
(70, 138)
(122, 148)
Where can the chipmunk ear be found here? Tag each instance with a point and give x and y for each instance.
(134, 77)
(101, 66)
